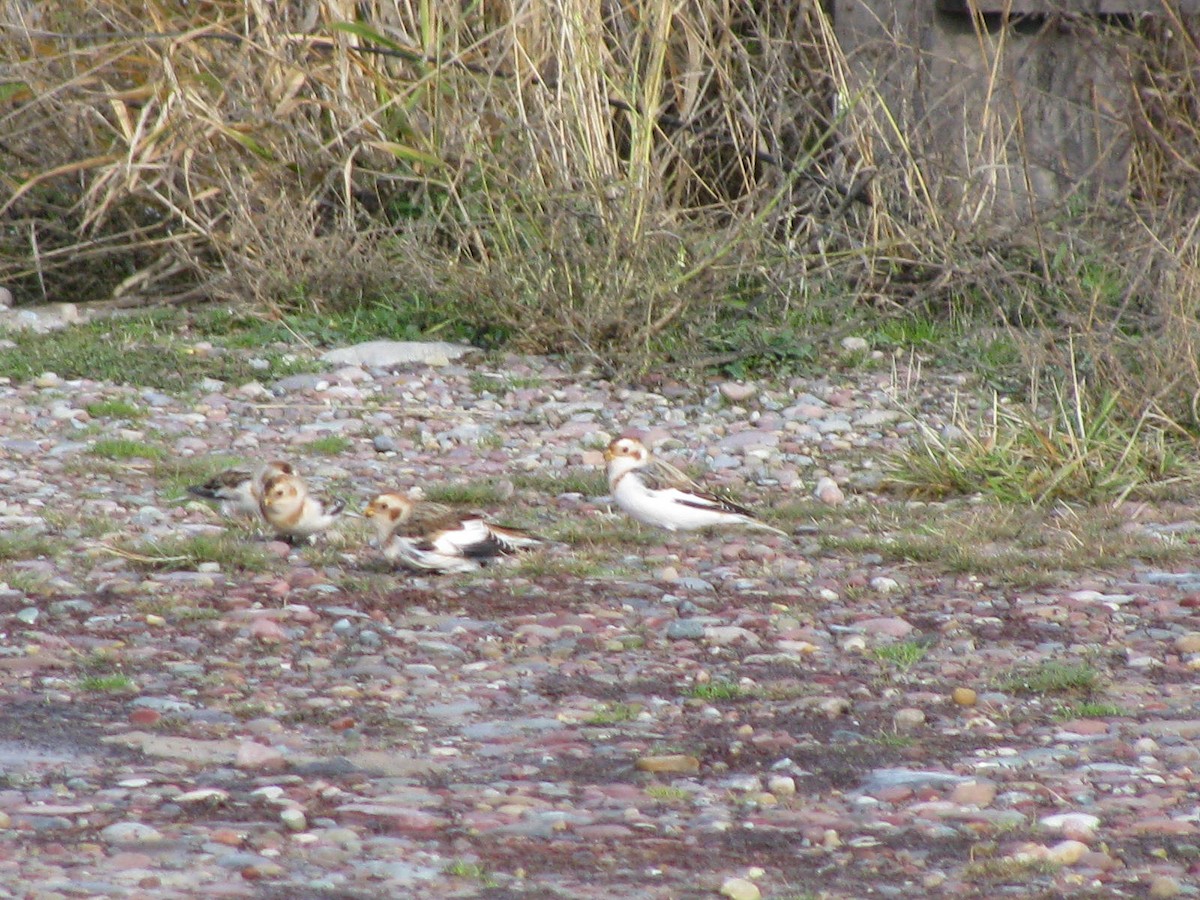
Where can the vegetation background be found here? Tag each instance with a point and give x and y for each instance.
(634, 183)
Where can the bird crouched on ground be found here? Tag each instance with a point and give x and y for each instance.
(432, 537)
(239, 490)
(654, 492)
(292, 511)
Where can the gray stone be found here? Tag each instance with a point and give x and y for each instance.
(389, 354)
(685, 629)
(130, 833)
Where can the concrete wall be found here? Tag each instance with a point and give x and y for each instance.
(1005, 114)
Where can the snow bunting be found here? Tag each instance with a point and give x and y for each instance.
(656, 493)
(240, 489)
(433, 537)
(292, 511)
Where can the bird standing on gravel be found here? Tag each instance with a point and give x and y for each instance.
(432, 537)
(240, 489)
(293, 511)
(656, 493)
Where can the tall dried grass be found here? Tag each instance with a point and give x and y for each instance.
(566, 174)
(579, 174)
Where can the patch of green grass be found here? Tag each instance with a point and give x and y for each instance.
(741, 344)
(894, 741)
(589, 483)
(490, 440)
(604, 532)
(717, 691)
(613, 713)
(143, 350)
(911, 331)
(25, 545)
(1008, 868)
(329, 445)
(33, 584)
(106, 684)
(1088, 710)
(231, 551)
(460, 868)
(407, 317)
(125, 448)
(1052, 677)
(114, 409)
(250, 709)
(482, 492)
(1078, 450)
(1020, 546)
(902, 654)
(666, 793)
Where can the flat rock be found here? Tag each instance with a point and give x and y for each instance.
(389, 354)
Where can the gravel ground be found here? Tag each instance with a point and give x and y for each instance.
(658, 716)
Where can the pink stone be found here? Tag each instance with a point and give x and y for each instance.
(737, 392)
(892, 626)
(267, 631)
(974, 793)
(253, 755)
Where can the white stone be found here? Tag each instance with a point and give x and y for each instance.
(1071, 822)
(828, 492)
(740, 889)
(387, 354)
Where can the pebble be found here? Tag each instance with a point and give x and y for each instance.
(670, 763)
(1163, 887)
(130, 833)
(828, 492)
(964, 696)
(740, 889)
(294, 819)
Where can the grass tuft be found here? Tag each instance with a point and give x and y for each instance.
(126, 448)
(107, 684)
(24, 545)
(1054, 678)
(717, 691)
(115, 409)
(1078, 450)
(328, 445)
(481, 493)
(902, 654)
(231, 551)
(613, 713)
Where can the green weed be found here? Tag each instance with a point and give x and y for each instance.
(592, 483)
(329, 445)
(115, 409)
(666, 793)
(483, 493)
(470, 870)
(107, 684)
(24, 545)
(1053, 677)
(717, 691)
(614, 713)
(902, 654)
(126, 448)
(230, 551)
(1090, 711)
